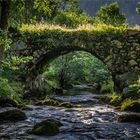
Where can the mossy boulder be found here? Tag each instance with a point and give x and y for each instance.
(7, 102)
(134, 107)
(51, 101)
(129, 118)
(47, 127)
(66, 104)
(12, 115)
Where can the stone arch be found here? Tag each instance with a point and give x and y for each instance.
(118, 48)
(36, 69)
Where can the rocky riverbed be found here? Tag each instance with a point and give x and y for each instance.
(94, 120)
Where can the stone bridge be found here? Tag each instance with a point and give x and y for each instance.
(118, 48)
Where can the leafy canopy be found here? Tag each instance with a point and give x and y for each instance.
(51, 8)
(110, 14)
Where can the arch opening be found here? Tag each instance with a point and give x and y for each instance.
(73, 67)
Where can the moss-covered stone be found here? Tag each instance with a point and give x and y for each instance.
(12, 115)
(5, 102)
(129, 118)
(66, 104)
(134, 107)
(51, 101)
(48, 127)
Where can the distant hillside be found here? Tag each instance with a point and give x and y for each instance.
(128, 7)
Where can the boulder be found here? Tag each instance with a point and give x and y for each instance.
(134, 107)
(7, 102)
(129, 118)
(12, 115)
(66, 104)
(47, 127)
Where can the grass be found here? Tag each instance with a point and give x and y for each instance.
(39, 27)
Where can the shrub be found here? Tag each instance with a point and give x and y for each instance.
(107, 87)
(115, 98)
(72, 19)
(131, 105)
(9, 91)
(110, 14)
(127, 102)
(133, 90)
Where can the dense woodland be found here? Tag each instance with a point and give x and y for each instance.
(61, 73)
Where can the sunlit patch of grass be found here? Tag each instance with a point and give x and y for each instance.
(39, 27)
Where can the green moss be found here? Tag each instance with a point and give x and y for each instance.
(12, 115)
(126, 103)
(48, 127)
(50, 100)
(131, 105)
(77, 105)
(129, 118)
(66, 104)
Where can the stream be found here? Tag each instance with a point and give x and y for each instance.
(94, 120)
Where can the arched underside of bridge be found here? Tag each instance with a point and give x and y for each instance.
(118, 49)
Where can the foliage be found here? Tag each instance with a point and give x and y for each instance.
(76, 68)
(13, 68)
(127, 102)
(72, 19)
(131, 105)
(107, 87)
(50, 8)
(138, 9)
(10, 90)
(110, 14)
(115, 98)
(133, 89)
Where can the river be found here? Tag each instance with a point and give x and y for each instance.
(94, 120)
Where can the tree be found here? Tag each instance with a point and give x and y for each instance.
(50, 8)
(4, 17)
(138, 9)
(110, 14)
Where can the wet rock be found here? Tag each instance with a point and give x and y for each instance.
(51, 101)
(12, 115)
(134, 107)
(7, 102)
(27, 108)
(48, 127)
(66, 104)
(129, 118)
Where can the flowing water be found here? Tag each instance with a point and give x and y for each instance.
(92, 121)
